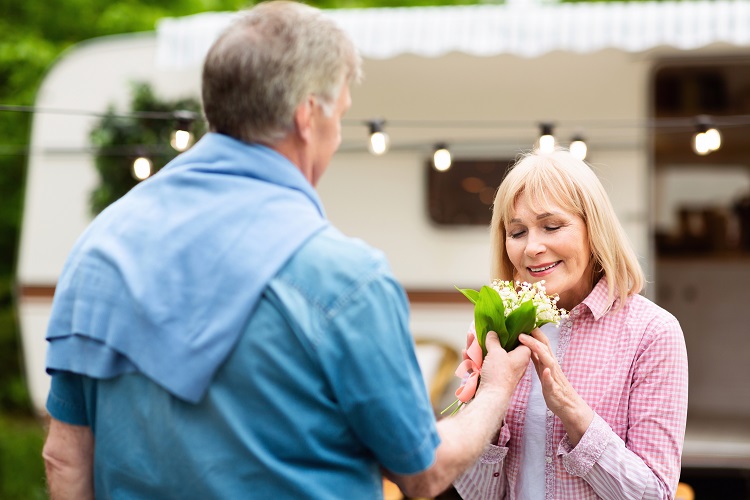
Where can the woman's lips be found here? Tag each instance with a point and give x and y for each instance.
(542, 269)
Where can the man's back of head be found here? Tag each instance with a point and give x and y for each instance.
(268, 61)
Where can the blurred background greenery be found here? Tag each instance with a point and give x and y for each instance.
(33, 33)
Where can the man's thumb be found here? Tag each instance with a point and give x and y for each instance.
(491, 341)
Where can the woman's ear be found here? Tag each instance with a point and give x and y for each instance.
(303, 118)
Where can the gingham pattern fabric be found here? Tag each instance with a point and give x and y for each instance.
(630, 366)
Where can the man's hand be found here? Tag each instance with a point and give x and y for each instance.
(502, 370)
(465, 435)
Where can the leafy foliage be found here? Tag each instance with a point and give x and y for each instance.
(119, 140)
(21, 467)
(22, 62)
(509, 309)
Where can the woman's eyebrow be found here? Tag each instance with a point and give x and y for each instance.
(538, 217)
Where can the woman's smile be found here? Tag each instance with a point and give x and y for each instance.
(552, 245)
(542, 269)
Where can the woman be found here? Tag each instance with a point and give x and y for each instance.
(608, 417)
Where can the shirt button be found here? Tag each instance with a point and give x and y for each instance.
(549, 460)
(549, 413)
(496, 474)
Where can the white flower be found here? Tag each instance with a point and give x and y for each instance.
(515, 294)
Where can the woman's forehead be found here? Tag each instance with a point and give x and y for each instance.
(541, 207)
(538, 202)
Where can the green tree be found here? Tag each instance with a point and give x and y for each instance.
(23, 60)
(119, 139)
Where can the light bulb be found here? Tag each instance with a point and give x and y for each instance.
(713, 139)
(379, 142)
(579, 149)
(142, 168)
(441, 159)
(700, 144)
(546, 139)
(181, 140)
(546, 144)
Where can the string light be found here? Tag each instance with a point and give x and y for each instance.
(379, 140)
(707, 138)
(142, 168)
(441, 158)
(578, 147)
(182, 137)
(546, 139)
(700, 144)
(713, 138)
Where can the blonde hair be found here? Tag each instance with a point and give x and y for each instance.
(561, 179)
(267, 62)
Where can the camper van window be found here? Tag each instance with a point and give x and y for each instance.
(463, 194)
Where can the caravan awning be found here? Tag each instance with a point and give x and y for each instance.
(520, 27)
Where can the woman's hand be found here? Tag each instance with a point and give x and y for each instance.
(560, 396)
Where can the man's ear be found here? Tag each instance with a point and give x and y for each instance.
(303, 118)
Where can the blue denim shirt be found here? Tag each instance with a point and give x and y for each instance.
(322, 389)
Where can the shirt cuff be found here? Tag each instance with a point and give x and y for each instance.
(493, 454)
(579, 460)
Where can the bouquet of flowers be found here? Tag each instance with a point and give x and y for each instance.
(509, 309)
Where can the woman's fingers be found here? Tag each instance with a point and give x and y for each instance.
(545, 363)
(559, 394)
(541, 337)
(540, 350)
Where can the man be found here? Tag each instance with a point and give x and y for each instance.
(213, 336)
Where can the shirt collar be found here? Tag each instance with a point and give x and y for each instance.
(598, 301)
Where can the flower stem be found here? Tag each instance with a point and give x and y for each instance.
(451, 406)
(457, 408)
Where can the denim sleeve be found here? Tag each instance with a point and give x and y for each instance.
(376, 376)
(66, 399)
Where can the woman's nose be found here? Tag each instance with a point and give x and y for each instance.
(534, 245)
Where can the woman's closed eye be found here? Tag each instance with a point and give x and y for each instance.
(516, 233)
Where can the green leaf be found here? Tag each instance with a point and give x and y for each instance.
(489, 315)
(542, 322)
(522, 320)
(470, 294)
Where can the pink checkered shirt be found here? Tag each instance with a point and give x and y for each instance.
(630, 366)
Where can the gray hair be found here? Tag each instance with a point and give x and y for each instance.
(267, 62)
